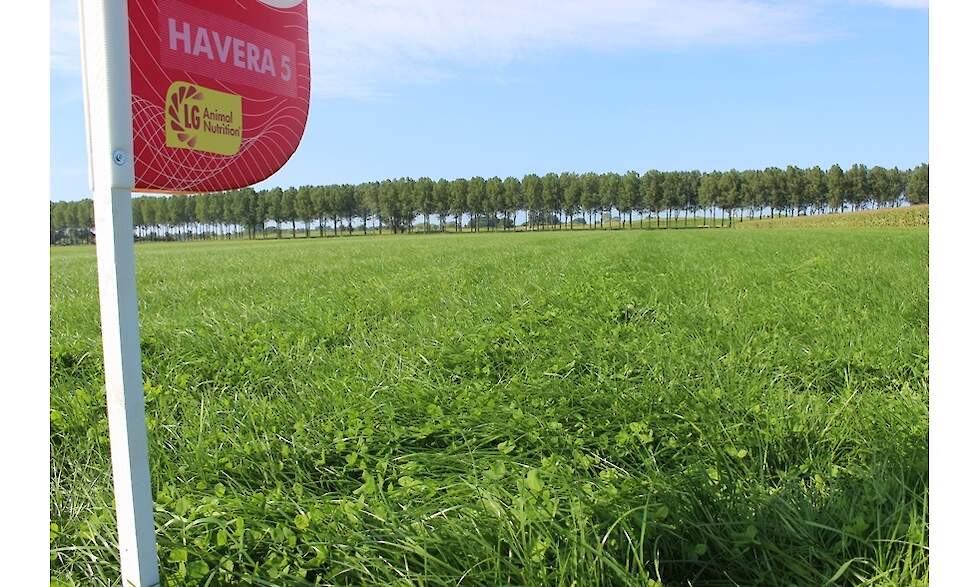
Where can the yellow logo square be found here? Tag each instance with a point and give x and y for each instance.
(202, 119)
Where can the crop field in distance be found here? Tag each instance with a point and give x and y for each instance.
(905, 217)
(634, 408)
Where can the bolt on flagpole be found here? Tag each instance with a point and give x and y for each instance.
(108, 110)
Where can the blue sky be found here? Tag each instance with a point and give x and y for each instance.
(457, 88)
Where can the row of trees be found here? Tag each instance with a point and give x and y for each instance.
(540, 202)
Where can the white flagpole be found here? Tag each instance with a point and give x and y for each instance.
(108, 103)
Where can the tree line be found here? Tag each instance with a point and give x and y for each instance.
(552, 201)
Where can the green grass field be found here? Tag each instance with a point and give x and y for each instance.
(729, 407)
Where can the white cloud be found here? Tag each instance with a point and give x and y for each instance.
(900, 3)
(359, 43)
(65, 43)
(361, 47)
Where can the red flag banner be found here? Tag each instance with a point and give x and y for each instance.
(220, 90)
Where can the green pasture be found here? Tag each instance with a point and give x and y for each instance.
(674, 407)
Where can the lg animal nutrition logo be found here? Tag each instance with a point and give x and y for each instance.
(203, 119)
